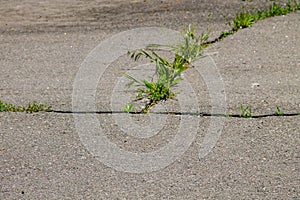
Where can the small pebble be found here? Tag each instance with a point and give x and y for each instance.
(255, 85)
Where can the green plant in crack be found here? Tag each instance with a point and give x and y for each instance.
(246, 18)
(35, 107)
(167, 73)
(228, 115)
(246, 112)
(128, 108)
(278, 111)
(243, 19)
(31, 107)
(277, 9)
(226, 33)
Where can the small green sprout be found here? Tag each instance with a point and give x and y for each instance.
(278, 111)
(246, 112)
(128, 108)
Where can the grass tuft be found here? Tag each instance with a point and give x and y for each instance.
(246, 112)
(246, 18)
(30, 108)
(167, 73)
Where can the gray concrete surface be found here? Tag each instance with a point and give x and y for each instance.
(42, 156)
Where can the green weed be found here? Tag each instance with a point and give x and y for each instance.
(128, 108)
(228, 115)
(276, 9)
(278, 111)
(244, 18)
(246, 112)
(167, 74)
(30, 108)
(226, 33)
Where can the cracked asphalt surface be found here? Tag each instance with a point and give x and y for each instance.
(43, 157)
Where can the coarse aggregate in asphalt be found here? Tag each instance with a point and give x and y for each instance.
(43, 157)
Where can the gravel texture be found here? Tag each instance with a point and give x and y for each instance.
(43, 157)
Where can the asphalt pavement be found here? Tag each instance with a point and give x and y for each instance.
(74, 153)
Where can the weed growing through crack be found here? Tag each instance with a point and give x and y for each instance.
(30, 108)
(246, 18)
(167, 73)
(228, 115)
(246, 112)
(278, 111)
(243, 19)
(128, 108)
